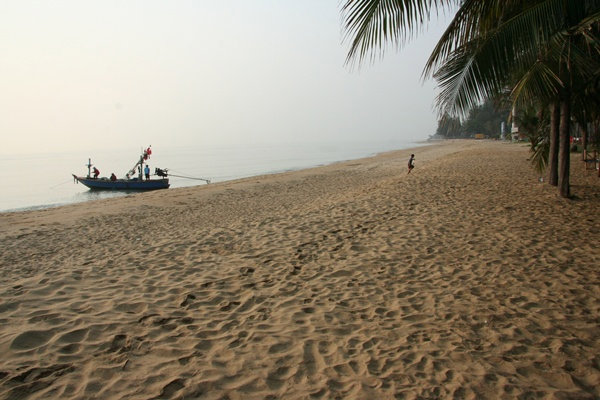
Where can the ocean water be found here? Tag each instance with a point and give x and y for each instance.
(38, 181)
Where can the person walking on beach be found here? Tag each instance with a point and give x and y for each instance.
(147, 172)
(411, 163)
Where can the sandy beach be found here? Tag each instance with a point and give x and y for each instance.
(466, 279)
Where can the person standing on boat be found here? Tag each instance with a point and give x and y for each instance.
(96, 173)
(113, 177)
(147, 172)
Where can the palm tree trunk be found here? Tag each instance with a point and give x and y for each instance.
(584, 138)
(553, 156)
(564, 152)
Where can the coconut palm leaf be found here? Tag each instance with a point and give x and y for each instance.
(489, 59)
(372, 24)
(538, 82)
(474, 20)
(572, 54)
(482, 67)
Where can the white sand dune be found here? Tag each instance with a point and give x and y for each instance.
(465, 279)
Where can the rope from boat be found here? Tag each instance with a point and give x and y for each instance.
(190, 177)
(57, 185)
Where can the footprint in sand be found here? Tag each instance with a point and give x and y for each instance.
(74, 336)
(171, 389)
(31, 340)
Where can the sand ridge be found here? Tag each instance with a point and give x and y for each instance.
(465, 279)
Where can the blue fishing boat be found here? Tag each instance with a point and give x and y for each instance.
(134, 179)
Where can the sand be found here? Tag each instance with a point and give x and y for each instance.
(466, 279)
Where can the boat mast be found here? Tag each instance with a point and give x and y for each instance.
(89, 165)
(141, 167)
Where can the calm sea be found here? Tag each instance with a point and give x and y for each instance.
(39, 181)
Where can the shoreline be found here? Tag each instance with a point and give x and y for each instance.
(277, 164)
(466, 278)
(216, 186)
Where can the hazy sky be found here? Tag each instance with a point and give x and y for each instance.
(83, 74)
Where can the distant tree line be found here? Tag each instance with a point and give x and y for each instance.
(485, 119)
(534, 122)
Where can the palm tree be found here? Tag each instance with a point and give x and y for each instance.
(537, 48)
(532, 121)
(553, 140)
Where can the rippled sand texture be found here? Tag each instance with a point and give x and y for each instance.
(465, 279)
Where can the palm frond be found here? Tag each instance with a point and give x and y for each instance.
(371, 24)
(464, 27)
(524, 44)
(500, 22)
(533, 121)
(538, 82)
(473, 73)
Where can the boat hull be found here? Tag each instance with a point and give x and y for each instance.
(123, 184)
